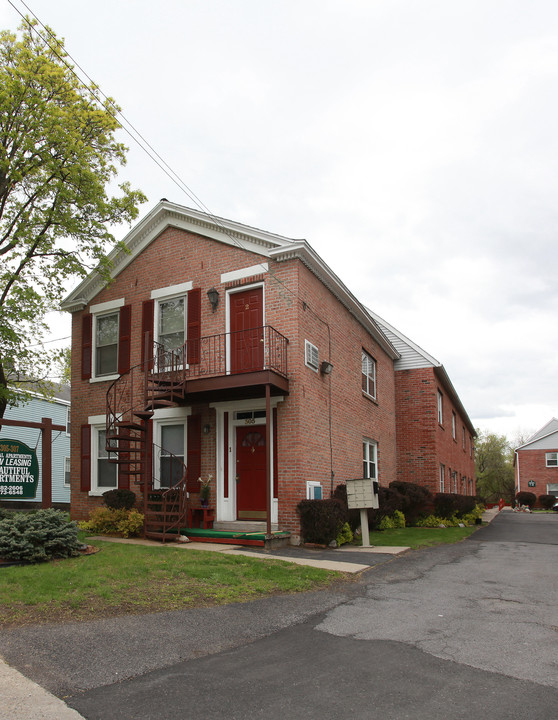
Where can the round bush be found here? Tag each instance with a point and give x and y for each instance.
(526, 498)
(39, 536)
(119, 499)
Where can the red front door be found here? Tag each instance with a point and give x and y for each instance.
(250, 473)
(247, 346)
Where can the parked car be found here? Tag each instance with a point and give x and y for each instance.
(555, 507)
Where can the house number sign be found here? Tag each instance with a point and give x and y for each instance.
(19, 470)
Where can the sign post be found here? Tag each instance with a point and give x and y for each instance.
(362, 494)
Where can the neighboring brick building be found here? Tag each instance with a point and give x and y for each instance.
(275, 354)
(536, 462)
(435, 437)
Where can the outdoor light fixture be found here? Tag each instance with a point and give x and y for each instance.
(213, 296)
(326, 367)
(206, 429)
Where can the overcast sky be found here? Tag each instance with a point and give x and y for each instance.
(413, 143)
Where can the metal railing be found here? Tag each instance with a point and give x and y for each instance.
(243, 351)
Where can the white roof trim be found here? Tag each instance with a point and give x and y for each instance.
(166, 214)
(537, 438)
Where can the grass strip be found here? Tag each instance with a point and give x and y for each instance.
(123, 579)
(414, 537)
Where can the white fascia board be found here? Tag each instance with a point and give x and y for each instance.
(307, 255)
(166, 214)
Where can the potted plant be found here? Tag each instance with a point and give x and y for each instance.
(205, 491)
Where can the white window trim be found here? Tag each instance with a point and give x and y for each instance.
(440, 401)
(365, 392)
(172, 291)
(547, 457)
(310, 489)
(242, 273)
(98, 423)
(68, 420)
(442, 477)
(67, 463)
(374, 445)
(106, 308)
(309, 350)
(454, 426)
(157, 434)
(157, 313)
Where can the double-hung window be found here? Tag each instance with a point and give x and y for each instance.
(369, 459)
(442, 477)
(552, 459)
(453, 426)
(106, 343)
(440, 408)
(105, 476)
(171, 462)
(172, 323)
(368, 375)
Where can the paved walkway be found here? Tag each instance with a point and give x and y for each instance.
(23, 699)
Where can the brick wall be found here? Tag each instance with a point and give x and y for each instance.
(422, 443)
(532, 466)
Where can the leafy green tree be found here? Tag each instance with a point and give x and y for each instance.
(58, 154)
(494, 467)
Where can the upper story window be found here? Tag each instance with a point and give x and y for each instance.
(368, 375)
(440, 408)
(172, 323)
(311, 356)
(454, 425)
(68, 420)
(369, 459)
(106, 343)
(464, 437)
(552, 459)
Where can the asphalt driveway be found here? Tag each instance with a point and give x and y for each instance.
(450, 632)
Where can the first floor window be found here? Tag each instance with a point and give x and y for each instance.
(171, 466)
(552, 459)
(66, 471)
(442, 477)
(106, 471)
(313, 490)
(369, 459)
(368, 374)
(106, 343)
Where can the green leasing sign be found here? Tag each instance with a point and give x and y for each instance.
(19, 470)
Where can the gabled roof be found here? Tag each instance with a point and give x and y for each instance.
(413, 357)
(543, 438)
(268, 245)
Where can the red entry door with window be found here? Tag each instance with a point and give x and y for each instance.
(250, 473)
(247, 339)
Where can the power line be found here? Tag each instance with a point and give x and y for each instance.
(146, 146)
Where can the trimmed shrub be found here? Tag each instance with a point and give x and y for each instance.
(109, 521)
(119, 499)
(419, 500)
(390, 501)
(447, 505)
(546, 501)
(345, 536)
(434, 521)
(38, 537)
(321, 520)
(526, 498)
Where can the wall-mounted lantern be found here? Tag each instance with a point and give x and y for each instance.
(213, 296)
(326, 367)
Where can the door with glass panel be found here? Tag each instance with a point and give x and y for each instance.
(171, 454)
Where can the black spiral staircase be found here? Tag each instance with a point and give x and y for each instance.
(131, 402)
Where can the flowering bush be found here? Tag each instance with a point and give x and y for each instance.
(109, 521)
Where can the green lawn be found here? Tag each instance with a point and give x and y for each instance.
(123, 579)
(420, 537)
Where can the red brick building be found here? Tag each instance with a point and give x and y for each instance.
(264, 375)
(435, 437)
(536, 462)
